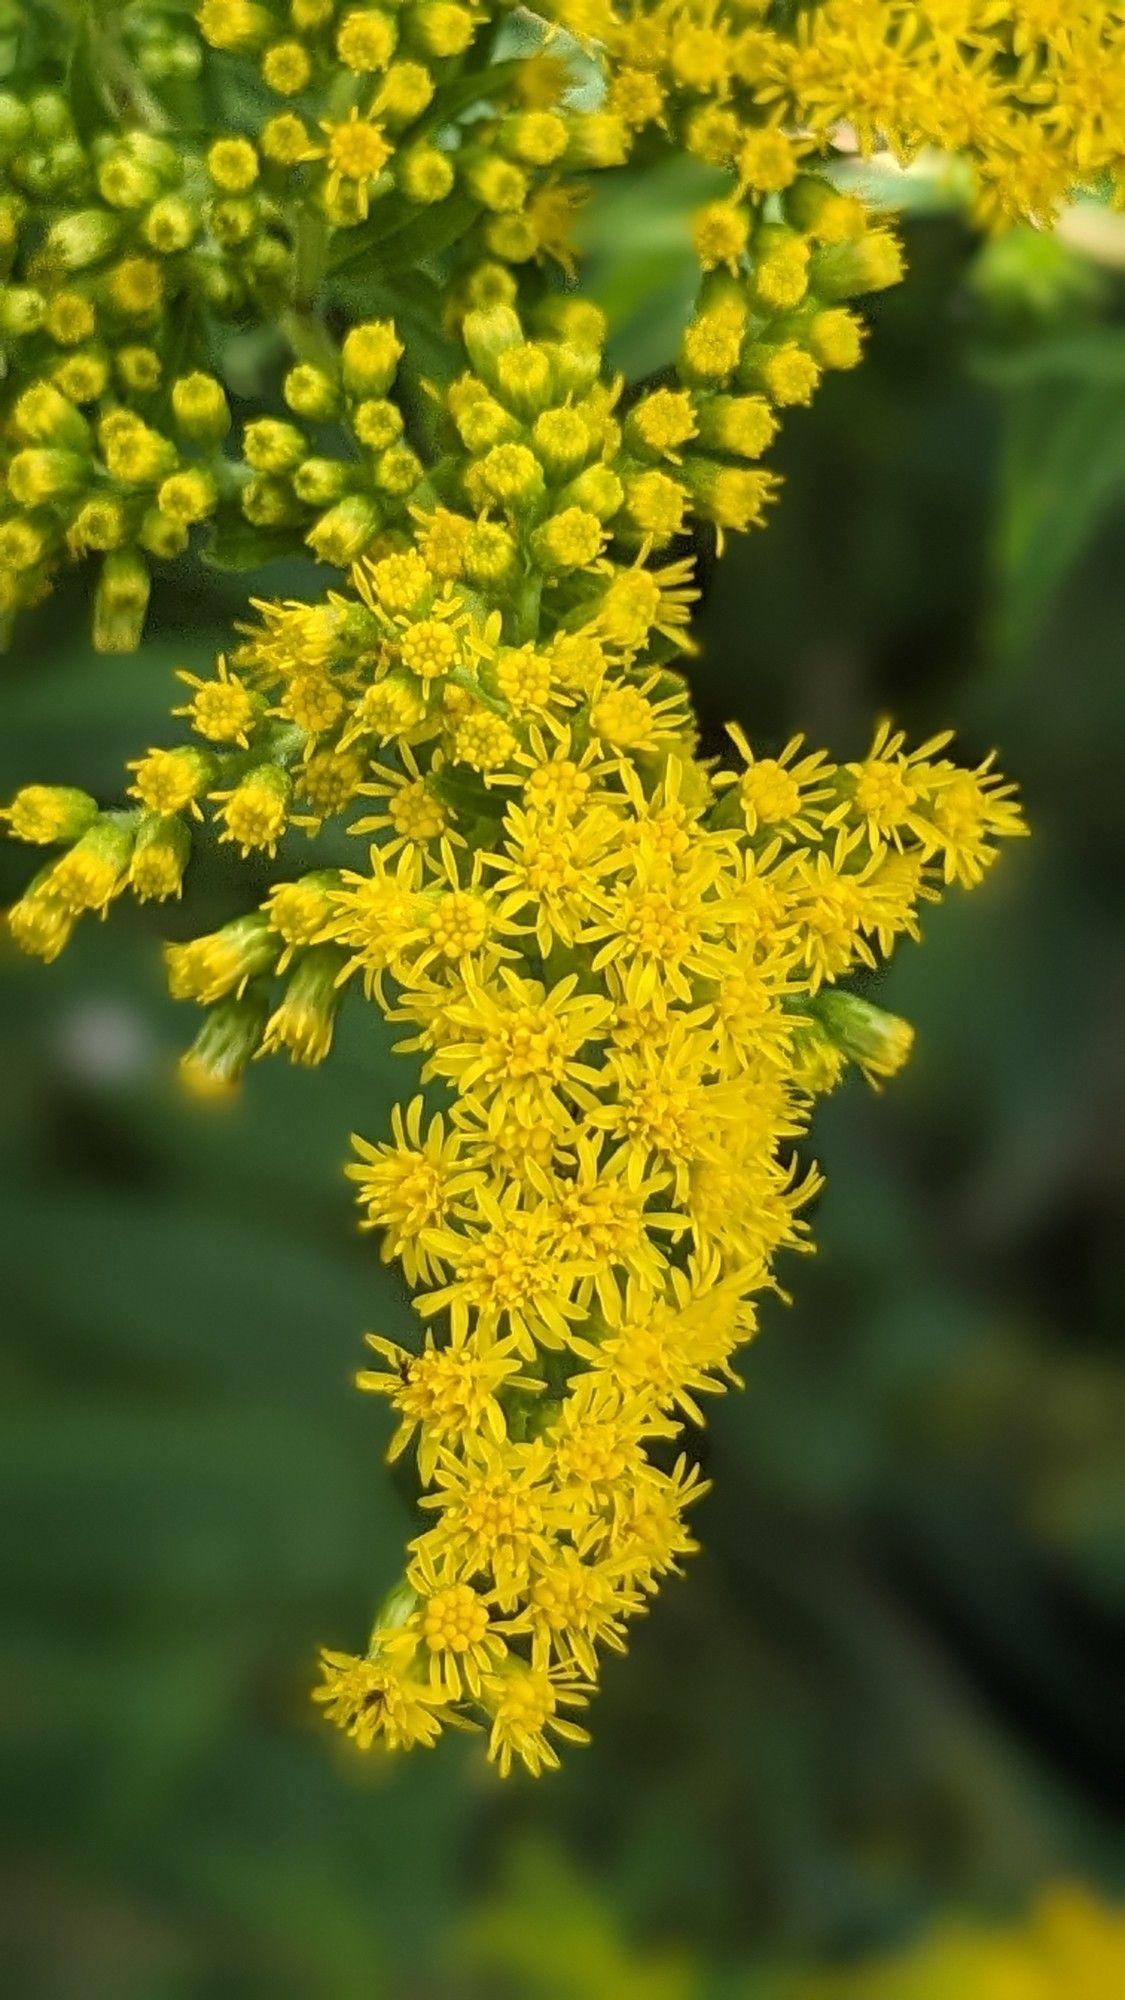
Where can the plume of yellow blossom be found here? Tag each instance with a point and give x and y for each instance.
(621, 969)
(617, 966)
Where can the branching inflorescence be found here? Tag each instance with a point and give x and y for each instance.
(617, 964)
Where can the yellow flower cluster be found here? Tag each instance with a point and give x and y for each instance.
(1071, 1948)
(615, 963)
(617, 966)
(1032, 93)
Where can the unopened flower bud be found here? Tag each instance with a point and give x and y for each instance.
(487, 335)
(120, 602)
(170, 225)
(370, 357)
(441, 28)
(200, 408)
(822, 212)
(877, 1042)
(231, 1034)
(309, 392)
(43, 415)
(82, 238)
(44, 473)
(869, 263)
(320, 482)
(346, 530)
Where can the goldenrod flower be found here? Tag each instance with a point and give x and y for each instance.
(618, 966)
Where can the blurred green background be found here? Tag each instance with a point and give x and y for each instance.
(886, 1690)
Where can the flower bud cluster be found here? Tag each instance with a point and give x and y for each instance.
(617, 966)
(340, 495)
(113, 247)
(368, 125)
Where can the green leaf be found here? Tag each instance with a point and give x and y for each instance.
(1064, 471)
(406, 235)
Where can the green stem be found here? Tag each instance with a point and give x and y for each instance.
(309, 338)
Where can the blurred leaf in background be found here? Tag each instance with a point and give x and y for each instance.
(889, 1689)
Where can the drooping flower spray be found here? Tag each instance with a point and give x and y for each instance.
(620, 967)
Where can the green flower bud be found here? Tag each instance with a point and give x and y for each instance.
(575, 369)
(233, 221)
(871, 263)
(268, 502)
(319, 482)
(310, 392)
(579, 322)
(120, 602)
(598, 490)
(511, 476)
(877, 1042)
(441, 28)
(50, 116)
(562, 442)
(271, 446)
(25, 540)
(170, 225)
(370, 357)
(124, 182)
(44, 416)
(377, 423)
(217, 287)
(398, 471)
(21, 310)
(231, 1034)
(138, 369)
(188, 497)
(822, 212)
(341, 535)
(200, 408)
(489, 334)
(100, 524)
(238, 26)
(82, 238)
(66, 166)
(161, 536)
(424, 174)
(45, 473)
(524, 378)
